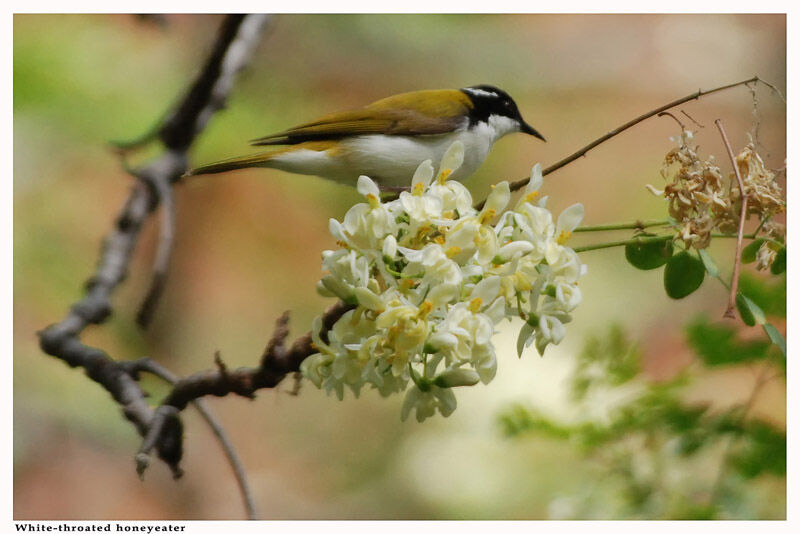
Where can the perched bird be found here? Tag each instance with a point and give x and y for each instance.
(388, 139)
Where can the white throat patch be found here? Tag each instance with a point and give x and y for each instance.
(502, 125)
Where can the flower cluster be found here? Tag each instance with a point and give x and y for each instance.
(702, 200)
(429, 277)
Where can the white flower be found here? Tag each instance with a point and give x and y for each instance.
(428, 278)
(533, 222)
(552, 330)
(568, 295)
(451, 161)
(455, 377)
(468, 237)
(422, 209)
(316, 368)
(365, 225)
(427, 402)
(495, 202)
(534, 184)
(389, 247)
(455, 198)
(569, 219)
(422, 177)
(433, 264)
(369, 189)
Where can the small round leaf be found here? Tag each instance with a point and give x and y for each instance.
(683, 275)
(779, 263)
(749, 252)
(650, 255)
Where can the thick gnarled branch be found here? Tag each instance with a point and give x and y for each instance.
(237, 37)
(277, 362)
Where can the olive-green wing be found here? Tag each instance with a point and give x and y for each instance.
(416, 113)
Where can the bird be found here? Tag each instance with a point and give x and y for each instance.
(388, 139)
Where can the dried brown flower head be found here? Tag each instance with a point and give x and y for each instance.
(702, 200)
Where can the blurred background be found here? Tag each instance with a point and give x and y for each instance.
(248, 247)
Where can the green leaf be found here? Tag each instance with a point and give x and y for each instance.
(683, 275)
(768, 292)
(709, 263)
(650, 255)
(763, 451)
(749, 310)
(775, 337)
(607, 360)
(749, 252)
(519, 420)
(744, 311)
(717, 344)
(779, 263)
(524, 334)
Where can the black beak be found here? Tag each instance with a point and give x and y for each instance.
(524, 127)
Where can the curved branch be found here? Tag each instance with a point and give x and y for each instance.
(277, 362)
(148, 365)
(238, 35)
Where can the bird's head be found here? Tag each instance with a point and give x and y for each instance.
(496, 108)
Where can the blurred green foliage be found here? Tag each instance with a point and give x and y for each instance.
(649, 440)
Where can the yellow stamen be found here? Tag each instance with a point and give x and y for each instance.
(475, 304)
(449, 214)
(341, 243)
(439, 239)
(530, 196)
(374, 202)
(425, 308)
(444, 175)
(563, 237)
(419, 187)
(452, 251)
(487, 216)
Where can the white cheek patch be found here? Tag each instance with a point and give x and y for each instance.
(502, 125)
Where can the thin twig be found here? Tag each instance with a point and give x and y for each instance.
(692, 118)
(729, 311)
(633, 122)
(163, 254)
(636, 225)
(151, 366)
(519, 184)
(676, 119)
(641, 240)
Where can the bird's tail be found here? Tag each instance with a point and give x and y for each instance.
(232, 164)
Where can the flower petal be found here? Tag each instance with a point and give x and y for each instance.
(423, 175)
(453, 158)
(570, 218)
(535, 181)
(367, 187)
